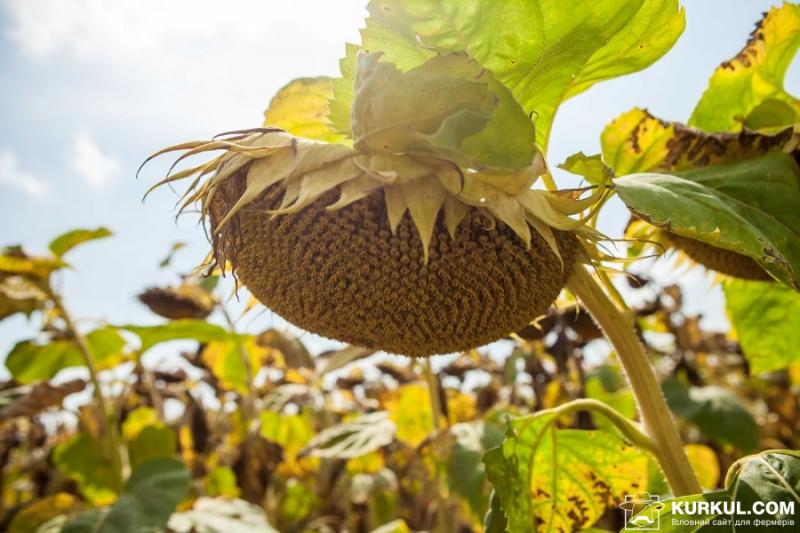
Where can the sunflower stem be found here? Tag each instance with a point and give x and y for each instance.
(442, 525)
(111, 434)
(658, 423)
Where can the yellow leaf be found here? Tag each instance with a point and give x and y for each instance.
(301, 108)
(409, 408)
(704, 463)
(137, 420)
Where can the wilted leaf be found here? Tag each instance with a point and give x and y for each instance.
(636, 141)
(561, 479)
(84, 459)
(33, 400)
(214, 515)
(751, 207)
(353, 438)
(340, 358)
(19, 295)
(754, 76)
(295, 355)
(14, 261)
(66, 242)
(301, 108)
(447, 106)
(542, 52)
(149, 498)
(766, 318)
(41, 511)
(196, 330)
(257, 460)
(716, 411)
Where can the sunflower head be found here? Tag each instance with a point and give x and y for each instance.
(410, 240)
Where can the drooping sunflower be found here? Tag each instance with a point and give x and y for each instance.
(714, 258)
(404, 241)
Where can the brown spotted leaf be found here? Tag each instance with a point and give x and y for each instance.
(749, 88)
(639, 142)
(561, 479)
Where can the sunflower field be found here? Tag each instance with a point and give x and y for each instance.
(501, 363)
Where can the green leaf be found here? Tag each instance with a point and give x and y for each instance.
(83, 459)
(29, 361)
(225, 360)
(107, 346)
(542, 52)
(357, 437)
(561, 479)
(150, 496)
(67, 241)
(447, 106)
(495, 521)
(196, 330)
(152, 442)
(716, 411)
(591, 167)
(221, 481)
(343, 90)
(751, 207)
(766, 318)
(301, 108)
(292, 432)
(755, 75)
(763, 487)
(621, 400)
(466, 476)
(636, 141)
(771, 116)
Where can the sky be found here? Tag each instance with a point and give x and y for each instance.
(89, 88)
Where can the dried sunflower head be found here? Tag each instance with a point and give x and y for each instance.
(187, 300)
(720, 260)
(405, 242)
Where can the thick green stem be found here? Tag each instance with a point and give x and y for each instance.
(619, 330)
(111, 434)
(442, 524)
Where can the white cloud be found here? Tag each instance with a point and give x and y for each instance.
(193, 64)
(91, 164)
(12, 175)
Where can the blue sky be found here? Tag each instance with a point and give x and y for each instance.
(88, 88)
